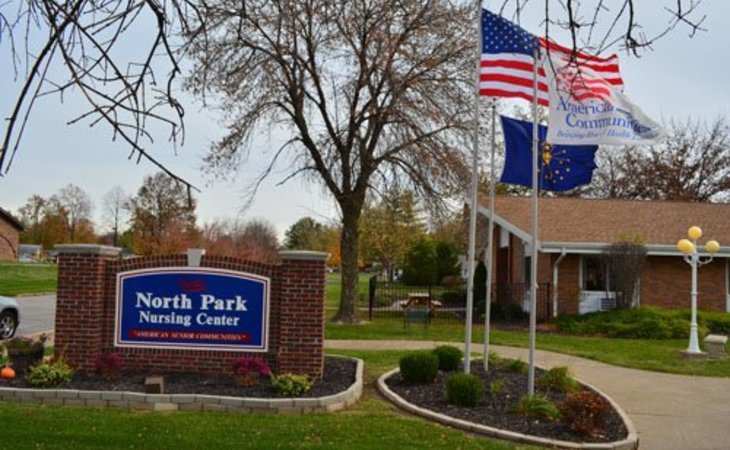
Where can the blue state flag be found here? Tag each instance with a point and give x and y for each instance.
(561, 167)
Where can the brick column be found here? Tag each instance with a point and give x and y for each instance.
(80, 302)
(302, 313)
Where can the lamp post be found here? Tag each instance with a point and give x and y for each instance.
(688, 247)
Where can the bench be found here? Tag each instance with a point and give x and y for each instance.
(416, 315)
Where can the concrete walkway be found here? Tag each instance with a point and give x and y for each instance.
(670, 412)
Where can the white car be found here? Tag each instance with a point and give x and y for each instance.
(9, 317)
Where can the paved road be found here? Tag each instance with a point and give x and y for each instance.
(37, 314)
(670, 412)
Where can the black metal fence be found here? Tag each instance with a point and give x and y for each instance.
(448, 303)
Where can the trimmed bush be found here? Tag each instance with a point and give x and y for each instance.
(419, 367)
(457, 297)
(586, 412)
(291, 385)
(639, 323)
(537, 406)
(109, 365)
(496, 387)
(516, 366)
(508, 312)
(50, 374)
(716, 322)
(494, 359)
(449, 357)
(558, 379)
(464, 389)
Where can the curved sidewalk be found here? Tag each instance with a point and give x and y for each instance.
(671, 412)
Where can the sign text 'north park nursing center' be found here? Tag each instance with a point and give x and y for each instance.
(208, 309)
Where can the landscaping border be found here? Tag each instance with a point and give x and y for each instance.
(630, 443)
(189, 402)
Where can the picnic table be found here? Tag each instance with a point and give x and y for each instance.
(419, 308)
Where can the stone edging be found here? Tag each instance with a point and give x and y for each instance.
(188, 402)
(630, 443)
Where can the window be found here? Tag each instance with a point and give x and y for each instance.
(594, 274)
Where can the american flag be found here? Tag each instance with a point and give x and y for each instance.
(507, 64)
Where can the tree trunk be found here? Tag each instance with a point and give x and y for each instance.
(349, 247)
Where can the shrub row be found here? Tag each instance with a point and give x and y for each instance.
(584, 411)
(639, 323)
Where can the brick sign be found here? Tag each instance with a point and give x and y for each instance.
(205, 308)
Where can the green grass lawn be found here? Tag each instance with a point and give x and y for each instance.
(661, 355)
(27, 278)
(334, 288)
(370, 424)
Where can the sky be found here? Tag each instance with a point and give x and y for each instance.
(677, 78)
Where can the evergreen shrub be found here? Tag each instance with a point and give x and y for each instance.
(419, 367)
(449, 357)
(464, 389)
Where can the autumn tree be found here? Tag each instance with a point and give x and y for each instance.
(31, 216)
(692, 164)
(254, 240)
(389, 228)
(162, 217)
(75, 205)
(306, 234)
(62, 218)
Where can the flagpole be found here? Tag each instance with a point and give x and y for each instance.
(488, 254)
(473, 209)
(533, 258)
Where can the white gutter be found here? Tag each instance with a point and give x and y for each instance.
(555, 282)
(594, 248)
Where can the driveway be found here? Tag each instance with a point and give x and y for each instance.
(670, 412)
(37, 314)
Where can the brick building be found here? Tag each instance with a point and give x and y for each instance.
(10, 230)
(574, 232)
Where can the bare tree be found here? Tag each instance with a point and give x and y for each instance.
(83, 47)
(114, 210)
(693, 164)
(624, 260)
(371, 92)
(77, 205)
(598, 25)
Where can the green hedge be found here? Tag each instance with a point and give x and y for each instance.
(639, 323)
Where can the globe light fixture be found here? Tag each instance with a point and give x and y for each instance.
(685, 246)
(688, 247)
(694, 233)
(712, 247)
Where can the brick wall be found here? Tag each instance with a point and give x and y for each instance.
(86, 305)
(568, 285)
(666, 281)
(8, 241)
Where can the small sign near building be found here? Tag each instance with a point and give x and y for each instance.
(202, 308)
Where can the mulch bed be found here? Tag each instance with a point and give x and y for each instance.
(495, 411)
(339, 375)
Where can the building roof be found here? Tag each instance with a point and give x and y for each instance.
(586, 225)
(4, 215)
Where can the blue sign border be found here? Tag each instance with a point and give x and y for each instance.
(119, 306)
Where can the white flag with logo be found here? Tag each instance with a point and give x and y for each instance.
(585, 109)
